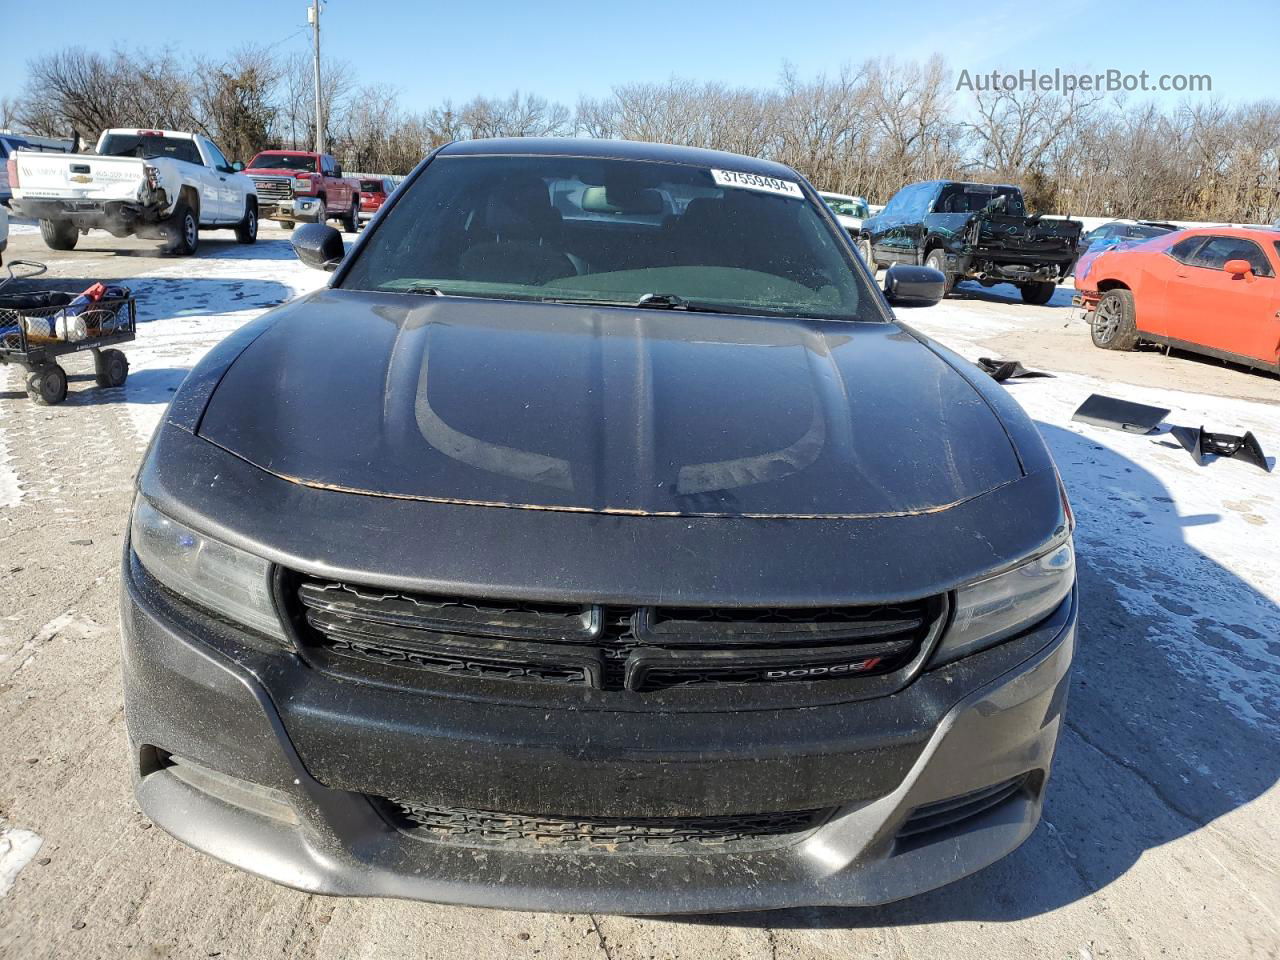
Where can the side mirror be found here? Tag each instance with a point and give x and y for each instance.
(318, 245)
(237, 166)
(1238, 268)
(906, 286)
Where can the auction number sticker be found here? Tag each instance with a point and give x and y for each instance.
(753, 181)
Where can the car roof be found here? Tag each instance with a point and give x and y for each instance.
(971, 183)
(617, 150)
(1260, 234)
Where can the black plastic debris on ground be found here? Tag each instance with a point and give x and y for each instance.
(1116, 414)
(1201, 443)
(1001, 370)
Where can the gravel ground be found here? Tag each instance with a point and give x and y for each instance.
(1158, 838)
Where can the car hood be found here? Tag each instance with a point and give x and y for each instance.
(606, 410)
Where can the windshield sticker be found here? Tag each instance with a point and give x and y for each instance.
(753, 181)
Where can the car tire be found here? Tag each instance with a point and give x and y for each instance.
(351, 222)
(286, 224)
(48, 385)
(937, 259)
(864, 250)
(1114, 325)
(1037, 292)
(185, 230)
(59, 234)
(247, 228)
(111, 368)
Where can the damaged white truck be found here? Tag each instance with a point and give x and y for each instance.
(160, 184)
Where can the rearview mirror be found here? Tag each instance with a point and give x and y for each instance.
(318, 245)
(1238, 268)
(906, 286)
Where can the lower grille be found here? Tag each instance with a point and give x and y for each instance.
(675, 834)
(938, 817)
(636, 649)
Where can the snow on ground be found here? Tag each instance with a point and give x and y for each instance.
(1193, 551)
(10, 491)
(186, 307)
(17, 847)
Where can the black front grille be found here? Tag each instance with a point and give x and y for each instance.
(274, 188)
(739, 832)
(605, 647)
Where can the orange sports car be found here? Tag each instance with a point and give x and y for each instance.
(1210, 290)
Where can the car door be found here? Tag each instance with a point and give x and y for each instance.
(230, 200)
(336, 190)
(1229, 313)
(192, 154)
(916, 223)
(888, 242)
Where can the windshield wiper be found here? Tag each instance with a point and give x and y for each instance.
(668, 301)
(650, 301)
(425, 289)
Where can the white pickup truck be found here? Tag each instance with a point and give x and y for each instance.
(150, 183)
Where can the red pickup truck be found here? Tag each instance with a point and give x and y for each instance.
(290, 182)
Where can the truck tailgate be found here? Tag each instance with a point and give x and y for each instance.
(77, 176)
(1028, 234)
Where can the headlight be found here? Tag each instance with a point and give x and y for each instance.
(207, 572)
(995, 609)
(302, 183)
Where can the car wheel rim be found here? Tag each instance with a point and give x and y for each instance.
(189, 230)
(253, 224)
(1105, 321)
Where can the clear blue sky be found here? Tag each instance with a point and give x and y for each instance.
(458, 48)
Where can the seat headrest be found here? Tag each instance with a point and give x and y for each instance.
(521, 211)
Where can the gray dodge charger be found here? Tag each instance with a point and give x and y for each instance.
(597, 540)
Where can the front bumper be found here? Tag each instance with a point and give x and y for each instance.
(196, 690)
(297, 210)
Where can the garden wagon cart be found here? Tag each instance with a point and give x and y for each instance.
(37, 328)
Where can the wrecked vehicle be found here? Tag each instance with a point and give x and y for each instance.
(973, 231)
(596, 571)
(161, 184)
(1209, 290)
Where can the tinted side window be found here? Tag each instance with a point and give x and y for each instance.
(1218, 250)
(186, 150)
(1183, 250)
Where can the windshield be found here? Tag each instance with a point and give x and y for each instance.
(974, 197)
(612, 231)
(148, 147)
(284, 161)
(371, 186)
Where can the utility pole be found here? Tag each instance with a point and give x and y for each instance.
(313, 15)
